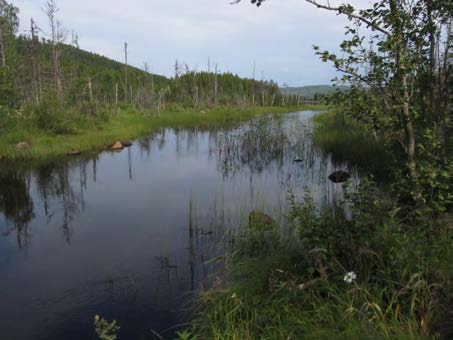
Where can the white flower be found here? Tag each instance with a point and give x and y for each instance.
(349, 277)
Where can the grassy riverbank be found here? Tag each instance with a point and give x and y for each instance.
(299, 288)
(52, 134)
(382, 272)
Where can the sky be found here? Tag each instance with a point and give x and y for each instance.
(277, 37)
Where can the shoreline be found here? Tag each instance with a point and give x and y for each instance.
(98, 135)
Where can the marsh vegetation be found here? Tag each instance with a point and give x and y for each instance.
(225, 216)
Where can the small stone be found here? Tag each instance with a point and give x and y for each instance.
(126, 143)
(117, 146)
(298, 160)
(260, 221)
(74, 153)
(22, 146)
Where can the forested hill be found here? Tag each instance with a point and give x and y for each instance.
(78, 70)
(312, 92)
(35, 71)
(84, 77)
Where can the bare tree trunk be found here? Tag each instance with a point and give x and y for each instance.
(2, 48)
(116, 94)
(125, 72)
(253, 84)
(409, 126)
(34, 61)
(90, 89)
(58, 36)
(216, 86)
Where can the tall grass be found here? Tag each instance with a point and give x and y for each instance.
(352, 142)
(295, 287)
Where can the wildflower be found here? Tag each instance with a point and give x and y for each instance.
(349, 277)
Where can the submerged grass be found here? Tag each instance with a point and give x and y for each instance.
(72, 131)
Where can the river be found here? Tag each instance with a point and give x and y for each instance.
(127, 235)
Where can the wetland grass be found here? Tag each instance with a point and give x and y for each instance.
(73, 132)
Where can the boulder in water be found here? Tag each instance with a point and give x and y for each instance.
(339, 176)
(126, 143)
(117, 146)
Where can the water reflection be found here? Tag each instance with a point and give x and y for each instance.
(128, 234)
(16, 204)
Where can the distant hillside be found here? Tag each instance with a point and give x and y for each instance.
(88, 77)
(41, 75)
(310, 92)
(77, 68)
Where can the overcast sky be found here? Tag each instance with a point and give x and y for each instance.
(278, 36)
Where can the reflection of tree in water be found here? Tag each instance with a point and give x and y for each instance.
(53, 183)
(16, 203)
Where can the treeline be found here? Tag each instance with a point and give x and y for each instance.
(224, 89)
(50, 70)
(83, 77)
(311, 93)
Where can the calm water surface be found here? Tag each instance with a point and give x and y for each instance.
(126, 235)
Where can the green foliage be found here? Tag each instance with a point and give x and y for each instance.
(298, 289)
(104, 329)
(9, 23)
(184, 335)
(195, 88)
(433, 187)
(353, 142)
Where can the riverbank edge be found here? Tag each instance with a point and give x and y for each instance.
(98, 135)
(351, 142)
(299, 289)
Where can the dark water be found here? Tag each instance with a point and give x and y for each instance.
(127, 235)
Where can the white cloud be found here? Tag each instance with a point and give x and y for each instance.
(278, 36)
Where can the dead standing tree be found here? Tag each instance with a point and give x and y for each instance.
(125, 73)
(36, 68)
(58, 36)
